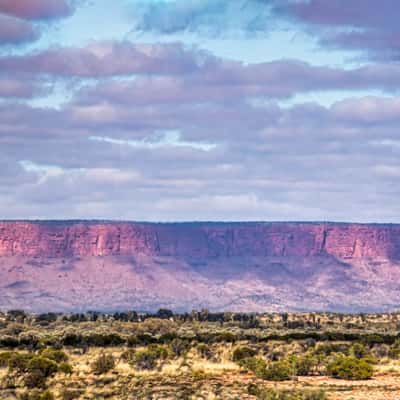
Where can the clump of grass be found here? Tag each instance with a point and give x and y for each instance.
(54, 354)
(71, 394)
(276, 394)
(272, 371)
(37, 395)
(240, 353)
(149, 358)
(103, 364)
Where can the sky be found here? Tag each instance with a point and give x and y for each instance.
(200, 110)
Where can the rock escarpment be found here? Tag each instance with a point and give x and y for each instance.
(247, 266)
(66, 239)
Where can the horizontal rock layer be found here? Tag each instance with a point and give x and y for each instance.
(68, 239)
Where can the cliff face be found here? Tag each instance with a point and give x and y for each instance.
(63, 266)
(64, 239)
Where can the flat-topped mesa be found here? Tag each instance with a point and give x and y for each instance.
(67, 239)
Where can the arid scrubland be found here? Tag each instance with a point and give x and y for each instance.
(200, 355)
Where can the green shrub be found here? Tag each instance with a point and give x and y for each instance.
(327, 349)
(9, 342)
(132, 341)
(128, 356)
(38, 370)
(381, 350)
(148, 358)
(73, 339)
(46, 396)
(34, 368)
(348, 367)
(103, 364)
(225, 337)
(19, 362)
(71, 394)
(241, 353)
(37, 395)
(49, 367)
(65, 368)
(156, 326)
(278, 371)
(304, 365)
(179, 347)
(205, 351)
(276, 394)
(145, 339)
(53, 354)
(394, 351)
(103, 340)
(358, 350)
(254, 364)
(5, 359)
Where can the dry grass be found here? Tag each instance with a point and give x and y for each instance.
(193, 376)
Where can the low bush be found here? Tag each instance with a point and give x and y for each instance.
(304, 365)
(157, 326)
(394, 351)
(205, 351)
(241, 353)
(37, 395)
(103, 339)
(149, 358)
(351, 368)
(358, 350)
(327, 349)
(103, 364)
(381, 351)
(29, 341)
(38, 369)
(179, 347)
(65, 368)
(72, 339)
(255, 364)
(54, 354)
(9, 342)
(5, 359)
(145, 339)
(18, 362)
(276, 394)
(71, 394)
(128, 356)
(278, 371)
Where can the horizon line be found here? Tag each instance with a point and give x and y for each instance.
(110, 221)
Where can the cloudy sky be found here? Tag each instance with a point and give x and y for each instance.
(171, 110)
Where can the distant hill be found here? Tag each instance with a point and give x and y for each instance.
(254, 266)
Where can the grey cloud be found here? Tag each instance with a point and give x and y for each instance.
(36, 9)
(311, 159)
(102, 59)
(365, 25)
(14, 88)
(21, 20)
(14, 31)
(171, 73)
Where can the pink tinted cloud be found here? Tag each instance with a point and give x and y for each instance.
(16, 31)
(13, 88)
(355, 13)
(366, 25)
(106, 59)
(36, 9)
(185, 72)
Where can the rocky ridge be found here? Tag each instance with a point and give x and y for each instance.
(69, 265)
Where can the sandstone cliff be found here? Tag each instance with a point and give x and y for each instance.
(56, 265)
(66, 239)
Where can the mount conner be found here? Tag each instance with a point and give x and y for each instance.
(238, 266)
